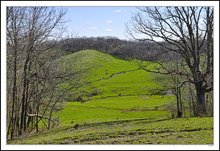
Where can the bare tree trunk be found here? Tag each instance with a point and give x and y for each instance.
(14, 90)
(9, 127)
(26, 106)
(200, 98)
(37, 118)
(25, 90)
(177, 102)
(190, 101)
(22, 107)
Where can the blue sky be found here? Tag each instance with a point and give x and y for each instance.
(98, 21)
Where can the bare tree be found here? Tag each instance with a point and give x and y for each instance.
(15, 17)
(187, 31)
(32, 33)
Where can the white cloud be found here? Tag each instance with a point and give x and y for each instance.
(108, 21)
(118, 11)
(93, 28)
(108, 30)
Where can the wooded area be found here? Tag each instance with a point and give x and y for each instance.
(33, 75)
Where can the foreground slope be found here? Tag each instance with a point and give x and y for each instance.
(136, 131)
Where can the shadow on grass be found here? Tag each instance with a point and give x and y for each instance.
(88, 125)
(145, 120)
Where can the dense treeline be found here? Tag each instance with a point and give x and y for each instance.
(144, 50)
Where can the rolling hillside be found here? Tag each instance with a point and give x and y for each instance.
(121, 91)
(118, 103)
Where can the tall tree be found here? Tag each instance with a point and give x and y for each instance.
(187, 31)
(30, 36)
(15, 18)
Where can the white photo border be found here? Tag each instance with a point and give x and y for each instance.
(4, 4)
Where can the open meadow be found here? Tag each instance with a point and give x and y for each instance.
(119, 104)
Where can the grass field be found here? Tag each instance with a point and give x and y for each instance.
(131, 84)
(133, 131)
(124, 109)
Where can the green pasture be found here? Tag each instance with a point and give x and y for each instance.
(124, 90)
(114, 108)
(111, 75)
(129, 107)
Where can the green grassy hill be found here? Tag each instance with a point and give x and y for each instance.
(123, 91)
(118, 106)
